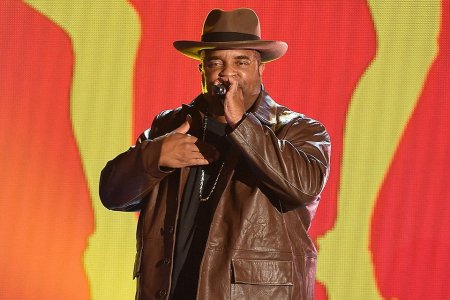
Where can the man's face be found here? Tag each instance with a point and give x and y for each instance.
(243, 65)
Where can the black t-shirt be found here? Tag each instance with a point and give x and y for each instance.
(195, 218)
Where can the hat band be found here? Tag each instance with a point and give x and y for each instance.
(228, 37)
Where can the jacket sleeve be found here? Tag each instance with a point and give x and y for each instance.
(129, 177)
(292, 164)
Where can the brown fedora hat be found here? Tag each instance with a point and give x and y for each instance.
(236, 29)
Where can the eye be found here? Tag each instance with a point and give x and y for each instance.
(242, 63)
(214, 64)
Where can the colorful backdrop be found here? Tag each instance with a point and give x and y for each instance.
(79, 80)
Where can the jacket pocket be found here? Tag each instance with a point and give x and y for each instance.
(261, 279)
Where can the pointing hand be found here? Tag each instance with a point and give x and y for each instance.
(180, 149)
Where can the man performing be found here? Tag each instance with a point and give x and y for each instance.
(226, 186)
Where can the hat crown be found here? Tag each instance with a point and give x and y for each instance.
(236, 29)
(242, 21)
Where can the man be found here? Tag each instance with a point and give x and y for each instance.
(228, 185)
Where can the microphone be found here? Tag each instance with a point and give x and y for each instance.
(219, 89)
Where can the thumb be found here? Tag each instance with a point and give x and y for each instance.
(184, 128)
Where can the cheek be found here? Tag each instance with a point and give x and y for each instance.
(251, 78)
(211, 76)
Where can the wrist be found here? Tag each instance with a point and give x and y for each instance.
(233, 125)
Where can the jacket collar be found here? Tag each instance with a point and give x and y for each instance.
(264, 107)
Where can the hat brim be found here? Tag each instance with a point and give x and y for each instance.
(270, 50)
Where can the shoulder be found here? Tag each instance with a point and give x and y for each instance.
(293, 122)
(286, 122)
(164, 122)
(168, 120)
(271, 112)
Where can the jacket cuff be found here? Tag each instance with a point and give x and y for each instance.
(150, 153)
(245, 128)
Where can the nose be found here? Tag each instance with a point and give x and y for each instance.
(227, 70)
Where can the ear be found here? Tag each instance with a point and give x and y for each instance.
(261, 68)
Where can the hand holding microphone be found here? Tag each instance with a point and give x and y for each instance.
(232, 99)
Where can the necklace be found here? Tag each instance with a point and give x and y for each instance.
(202, 178)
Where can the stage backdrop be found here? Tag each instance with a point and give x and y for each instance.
(79, 80)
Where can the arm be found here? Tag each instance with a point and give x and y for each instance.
(130, 176)
(293, 164)
(127, 179)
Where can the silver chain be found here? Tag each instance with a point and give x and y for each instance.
(202, 178)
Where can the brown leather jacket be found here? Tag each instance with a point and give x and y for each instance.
(258, 246)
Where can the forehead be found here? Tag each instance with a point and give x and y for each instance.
(229, 53)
